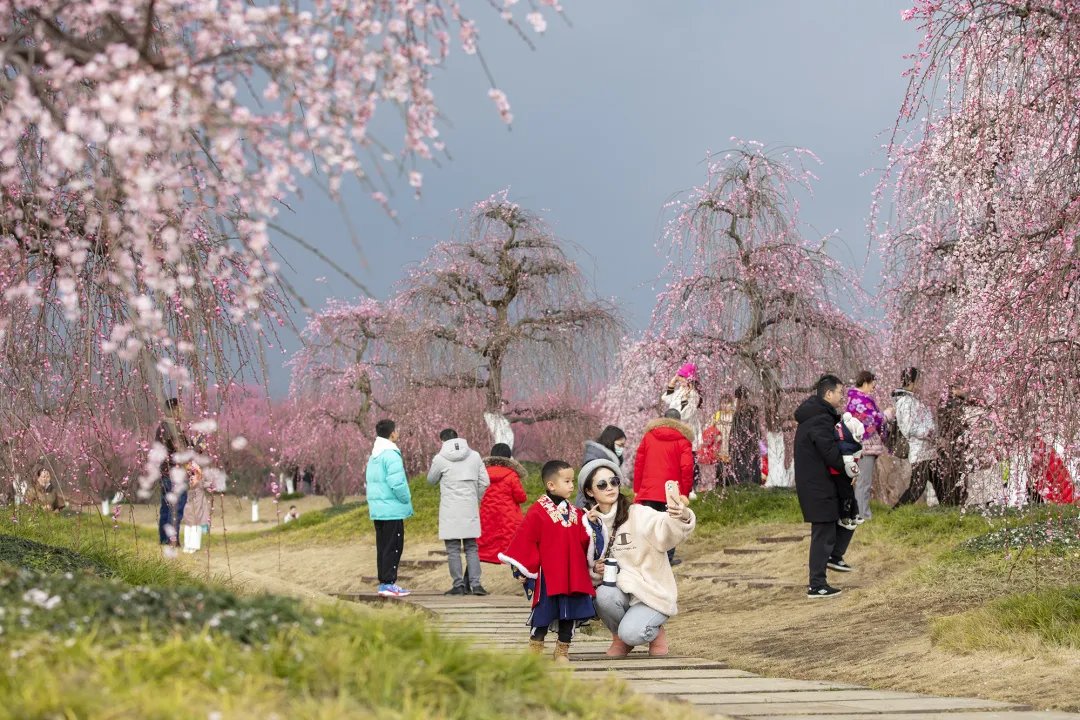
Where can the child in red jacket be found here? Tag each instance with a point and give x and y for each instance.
(551, 546)
(500, 510)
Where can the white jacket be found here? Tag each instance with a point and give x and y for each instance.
(462, 478)
(916, 422)
(641, 545)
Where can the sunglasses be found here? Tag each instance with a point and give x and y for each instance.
(603, 484)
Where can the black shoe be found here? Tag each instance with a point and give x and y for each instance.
(839, 565)
(478, 590)
(457, 590)
(676, 561)
(826, 591)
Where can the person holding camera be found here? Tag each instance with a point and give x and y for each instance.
(636, 591)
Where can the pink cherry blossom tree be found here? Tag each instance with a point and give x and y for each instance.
(504, 312)
(984, 266)
(146, 149)
(748, 297)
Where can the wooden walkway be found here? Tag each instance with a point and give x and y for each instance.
(498, 623)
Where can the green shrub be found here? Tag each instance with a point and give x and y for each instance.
(22, 553)
(1061, 533)
(74, 603)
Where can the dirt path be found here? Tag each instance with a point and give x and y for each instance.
(875, 633)
(741, 603)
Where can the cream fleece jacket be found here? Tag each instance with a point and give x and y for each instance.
(641, 546)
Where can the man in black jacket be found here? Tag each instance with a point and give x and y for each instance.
(820, 492)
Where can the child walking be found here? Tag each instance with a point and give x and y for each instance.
(551, 547)
(196, 519)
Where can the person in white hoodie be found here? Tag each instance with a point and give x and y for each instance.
(462, 477)
(628, 559)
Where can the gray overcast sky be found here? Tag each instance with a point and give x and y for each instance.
(614, 115)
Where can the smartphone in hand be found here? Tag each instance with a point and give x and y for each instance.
(671, 490)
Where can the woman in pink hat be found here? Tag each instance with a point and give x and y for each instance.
(684, 394)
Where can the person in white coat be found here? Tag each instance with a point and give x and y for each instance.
(462, 478)
(636, 591)
(915, 422)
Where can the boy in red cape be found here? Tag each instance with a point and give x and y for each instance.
(551, 546)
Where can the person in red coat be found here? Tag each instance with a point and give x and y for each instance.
(552, 546)
(500, 510)
(666, 453)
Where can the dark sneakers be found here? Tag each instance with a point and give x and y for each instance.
(826, 591)
(456, 590)
(478, 590)
(839, 565)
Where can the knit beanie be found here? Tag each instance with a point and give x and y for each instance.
(688, 371)
(587, 470)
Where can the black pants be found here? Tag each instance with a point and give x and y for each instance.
(389, 542)
(828, 541)
(566, 631)
(660, 507)
(928, 471)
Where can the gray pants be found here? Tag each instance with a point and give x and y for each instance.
(864, 483)
(472, 558)
(634, 624)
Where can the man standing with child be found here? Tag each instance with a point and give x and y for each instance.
(817, 449)
(462, 478)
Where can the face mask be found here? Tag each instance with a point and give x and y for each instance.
(618, 451)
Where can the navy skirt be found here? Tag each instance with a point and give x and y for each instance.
(552, 608)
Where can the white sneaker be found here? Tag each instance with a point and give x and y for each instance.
(859, 519)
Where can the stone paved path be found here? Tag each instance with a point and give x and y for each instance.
(498, 622)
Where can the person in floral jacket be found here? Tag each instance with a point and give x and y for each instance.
(862, 405)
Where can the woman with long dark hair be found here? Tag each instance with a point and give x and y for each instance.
(636, 591)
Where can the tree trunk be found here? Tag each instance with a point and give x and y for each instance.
(780, 473)
(499, 427)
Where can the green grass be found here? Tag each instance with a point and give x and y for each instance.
(1022, 622)
(382, 665)
(22, 553)
(744, 505)
(134, 562)
(144, 644)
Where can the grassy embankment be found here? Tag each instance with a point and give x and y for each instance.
(96, 629)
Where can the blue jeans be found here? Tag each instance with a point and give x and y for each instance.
(634, 624)
(169, 517)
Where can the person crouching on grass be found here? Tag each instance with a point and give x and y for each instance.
(551, 546)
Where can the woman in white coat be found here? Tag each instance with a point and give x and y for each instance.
(916, 423)
(637, 592)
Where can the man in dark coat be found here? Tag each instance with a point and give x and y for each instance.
(820, 492)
